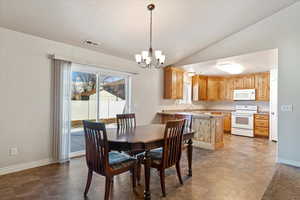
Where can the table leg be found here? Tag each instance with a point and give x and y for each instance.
(190, 156)
(147, 194)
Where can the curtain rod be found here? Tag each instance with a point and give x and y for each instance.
(53, 56)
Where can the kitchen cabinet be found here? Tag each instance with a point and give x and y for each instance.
(262, 86)
(227, 122)
(213, 88)
(199, 88)
(261, 125)
(226, 89)
(248, 81)
(173, 83)
(213, 85)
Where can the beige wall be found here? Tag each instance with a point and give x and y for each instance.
(25, 85)
(281, 31)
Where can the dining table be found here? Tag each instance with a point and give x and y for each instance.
(145, 138)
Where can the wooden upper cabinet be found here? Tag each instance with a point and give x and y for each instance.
(221, 88)
(248, 81)
(179, 84)
(213, 87)
(262, 86)
(199, 88)
(229, 84)
(202, 88)
(238, 83)
(173, 83)
(195, 88)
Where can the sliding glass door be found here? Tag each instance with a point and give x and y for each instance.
(112, 97)
(97, 95)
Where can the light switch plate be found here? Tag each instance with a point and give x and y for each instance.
(13, 151)
(287, 108)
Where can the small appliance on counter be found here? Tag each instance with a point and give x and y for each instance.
(244, 95)
(243, 120)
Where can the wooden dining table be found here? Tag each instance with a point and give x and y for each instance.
(146, 138)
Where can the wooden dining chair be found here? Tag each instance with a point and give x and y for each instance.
(125, 121)
(101, 160)
(188, 120)
(170, 154)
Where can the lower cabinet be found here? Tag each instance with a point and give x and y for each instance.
(261, 125)
(227, 122)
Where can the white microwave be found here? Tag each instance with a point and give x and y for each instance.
(244, 95)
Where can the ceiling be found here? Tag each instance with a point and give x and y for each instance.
(180, 28)
(254, 62)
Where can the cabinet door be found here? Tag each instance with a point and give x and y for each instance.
(195, 88)
(227, 122)
(179, 85)
(238, 83)
(262, 86)
(248, 81)
(174, 84)
(168, 80)
(222, 89)
(202, 89)
(228, 88)
(213, 88)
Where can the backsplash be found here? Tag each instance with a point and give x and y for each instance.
(222, 105)
(262, 106)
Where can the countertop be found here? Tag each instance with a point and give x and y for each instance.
(196, 114)
(202, 111)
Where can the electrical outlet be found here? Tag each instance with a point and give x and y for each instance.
(287, 108)
(13, 151)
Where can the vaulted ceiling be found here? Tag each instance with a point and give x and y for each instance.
(181, 28)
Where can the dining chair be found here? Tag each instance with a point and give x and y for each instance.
(101, 160)
(187, 125)
(125, 121)
(188, 120)
(170, 154)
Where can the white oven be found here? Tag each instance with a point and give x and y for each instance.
(243, 120)
(244, 95)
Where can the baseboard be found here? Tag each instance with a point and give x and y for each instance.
(288, 162)
(24, 166)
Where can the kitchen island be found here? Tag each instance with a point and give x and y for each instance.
(209, 128)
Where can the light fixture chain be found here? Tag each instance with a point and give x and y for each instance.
(151, 29)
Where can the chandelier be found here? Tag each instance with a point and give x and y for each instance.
(150, 59)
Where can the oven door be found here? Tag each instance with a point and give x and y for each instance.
(244, 121)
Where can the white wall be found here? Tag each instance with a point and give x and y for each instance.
(281, 31)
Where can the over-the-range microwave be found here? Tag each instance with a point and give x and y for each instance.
(244, 95)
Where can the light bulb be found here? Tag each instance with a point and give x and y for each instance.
(145, 54)
(138, 58)
(162, 59)
(148, 60)
(158, 54)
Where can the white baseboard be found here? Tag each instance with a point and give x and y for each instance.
(289, 162)
(24, 166)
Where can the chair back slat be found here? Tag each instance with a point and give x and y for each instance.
(188, 120)
(96, 146)
(173, 142)
(125, 121)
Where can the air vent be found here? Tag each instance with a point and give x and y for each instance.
(90, 43)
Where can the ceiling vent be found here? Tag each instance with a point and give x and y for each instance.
(91, 43)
